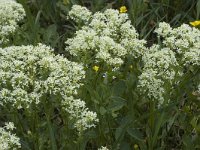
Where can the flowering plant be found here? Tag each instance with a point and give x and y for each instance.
(120, 93)
(105, 37)
(34, 79)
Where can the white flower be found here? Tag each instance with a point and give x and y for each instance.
(31, 74)
(151, 85)
(27, 71)
(192, 57)
(183, 40)
(164, 29)
(84, 119)
(161, 60)
(160, 71)
(11, 13)
(80, 14)
(7, 139)
(108, 37)
(9, 126)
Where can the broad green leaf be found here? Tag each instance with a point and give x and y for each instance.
(116, 103)
(135, 133)
(119, 133)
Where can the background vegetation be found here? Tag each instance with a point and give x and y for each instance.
(46, 20)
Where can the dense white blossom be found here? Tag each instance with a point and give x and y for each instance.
(160, 71)
(192, 56)
(184, 40)
(8, 140)
(84, 118)
(161, 60)
(11, 13)
(31, 74)
(27, 71)
(152, 85)
(108, 37)
(80, 14)
(164, 63)
(164, 29)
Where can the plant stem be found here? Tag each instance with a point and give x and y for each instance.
(50, 128)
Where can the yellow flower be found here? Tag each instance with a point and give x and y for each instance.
(123, 9)
(195, 23)
(95, 68)
(65, 2)
(131, 66)
(135, 146)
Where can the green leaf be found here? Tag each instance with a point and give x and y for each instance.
(119, 133)
(135, 133)
(198, 9)
(187, 141)
(119, 88)
(102, 110)
(117, 103)
(125, 146)
(51, 30)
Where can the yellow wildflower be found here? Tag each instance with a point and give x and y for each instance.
(65, 2)
(135, 146)
(123, 9)
(195, 23)
(95, 68)
(131, 66)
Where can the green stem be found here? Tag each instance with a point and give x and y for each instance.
(50, 128)
(80, 141)
(151, 124)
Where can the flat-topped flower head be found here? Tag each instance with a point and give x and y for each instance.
(80, 14)
(34, 74)
(30, 72)
(108, 37)
(183, 40)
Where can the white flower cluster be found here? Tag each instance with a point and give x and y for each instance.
(159, 72)
(83, 118)
(30, 74)
(163, 64)
(107, 37)
(11, 13)
(184, 40)
(161, 60)
(8, 140)
(151, 85)
(192, 56)
(80, 14)
(103, 148)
